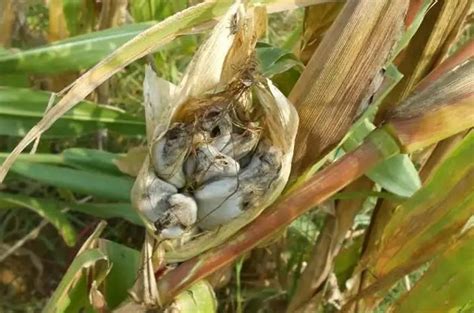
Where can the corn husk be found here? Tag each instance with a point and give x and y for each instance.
(223, 62)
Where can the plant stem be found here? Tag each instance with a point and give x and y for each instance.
(378, 146)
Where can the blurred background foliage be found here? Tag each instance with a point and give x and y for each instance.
(52, 200)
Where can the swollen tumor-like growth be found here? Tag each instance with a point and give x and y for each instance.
(217, 158)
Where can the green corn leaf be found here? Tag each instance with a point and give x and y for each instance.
(280, 65)
(397, 175)
(102, 186)
(49, 210)
(91, 159)
(274, 60)
(72, 293)
(425, 224)
(75, 53)
(21, 109)
(449, 282)
(125, 266)
(109, 210)
(346, 261)
(79, 16)
(78, 158)
(199, 298)
(46, 158)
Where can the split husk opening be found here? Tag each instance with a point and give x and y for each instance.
(220, 143)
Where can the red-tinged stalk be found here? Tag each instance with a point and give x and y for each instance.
(410, 131)
(419, 132)
(465, 53)
(447, 111)
(440, 109)
(323, 185)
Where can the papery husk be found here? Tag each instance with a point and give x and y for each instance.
(217, 63)
(162, 99)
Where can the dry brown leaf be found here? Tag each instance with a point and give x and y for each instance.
(427, 48)
(131, 163)
(340, 74)
(57, 21)
(317, 20)
(448, 101)
(7, 18)
(113, 13)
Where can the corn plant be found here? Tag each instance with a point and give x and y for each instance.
(248, 156)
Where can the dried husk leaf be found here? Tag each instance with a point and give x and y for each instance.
(158, 94)
(145, 289)
(205, 70)
(132, 162)
(162, 99)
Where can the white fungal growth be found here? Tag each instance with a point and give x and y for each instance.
(169, 154)
(218, 156)
(179, 211)
(222, 200)
(213, 157)
(208, 163)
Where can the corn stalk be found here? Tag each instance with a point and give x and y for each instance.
(399, 133)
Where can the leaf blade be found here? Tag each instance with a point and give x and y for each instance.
(49, 210)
